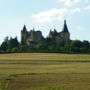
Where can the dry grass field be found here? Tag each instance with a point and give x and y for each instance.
(38, 71)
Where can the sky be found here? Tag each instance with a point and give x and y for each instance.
(45, 15)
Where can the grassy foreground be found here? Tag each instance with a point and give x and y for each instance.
(44, 71)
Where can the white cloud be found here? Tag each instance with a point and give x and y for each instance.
(71, 2)
(80, 28)
(87, 8)
(54, 14)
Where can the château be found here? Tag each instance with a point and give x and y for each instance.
(33, 37)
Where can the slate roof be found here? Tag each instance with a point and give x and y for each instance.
(65, 28)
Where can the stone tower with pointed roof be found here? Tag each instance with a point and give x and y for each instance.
(65, 35)
(31, 37)
(24, 35)
(61, 37)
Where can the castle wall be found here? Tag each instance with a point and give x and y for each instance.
(59, 40)
(23, 37)
(33, 37)
(65, 36)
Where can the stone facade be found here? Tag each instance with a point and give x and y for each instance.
(33, 37)
(30, 38)
(61, 37)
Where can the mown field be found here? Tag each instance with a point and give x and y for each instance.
(38, 71)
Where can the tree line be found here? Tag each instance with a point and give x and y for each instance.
(12, 45)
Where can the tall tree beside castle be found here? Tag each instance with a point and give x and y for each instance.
(34, 37)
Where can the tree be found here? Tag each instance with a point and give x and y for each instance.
(86, 44)
(75, 46)
(76, 43)
(13, 42)
(9, 44)
(4, 45)
(6, 39)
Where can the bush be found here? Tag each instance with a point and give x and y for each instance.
(15, 49)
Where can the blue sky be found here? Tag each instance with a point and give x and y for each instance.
(45, 15)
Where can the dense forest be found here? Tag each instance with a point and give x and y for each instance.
(12, 45)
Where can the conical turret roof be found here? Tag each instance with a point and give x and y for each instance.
(65, 28)
(24, 29)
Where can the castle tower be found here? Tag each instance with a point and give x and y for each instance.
(53, 34)
(65, 35)
(65, 29)
(32, 34)
(24, 35)
(50, 34)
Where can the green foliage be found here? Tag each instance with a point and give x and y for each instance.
(13, 42)
(46, 45)
(4, 46)
(15, 49)
(76, 43)
(77, 46)
(8, 44)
